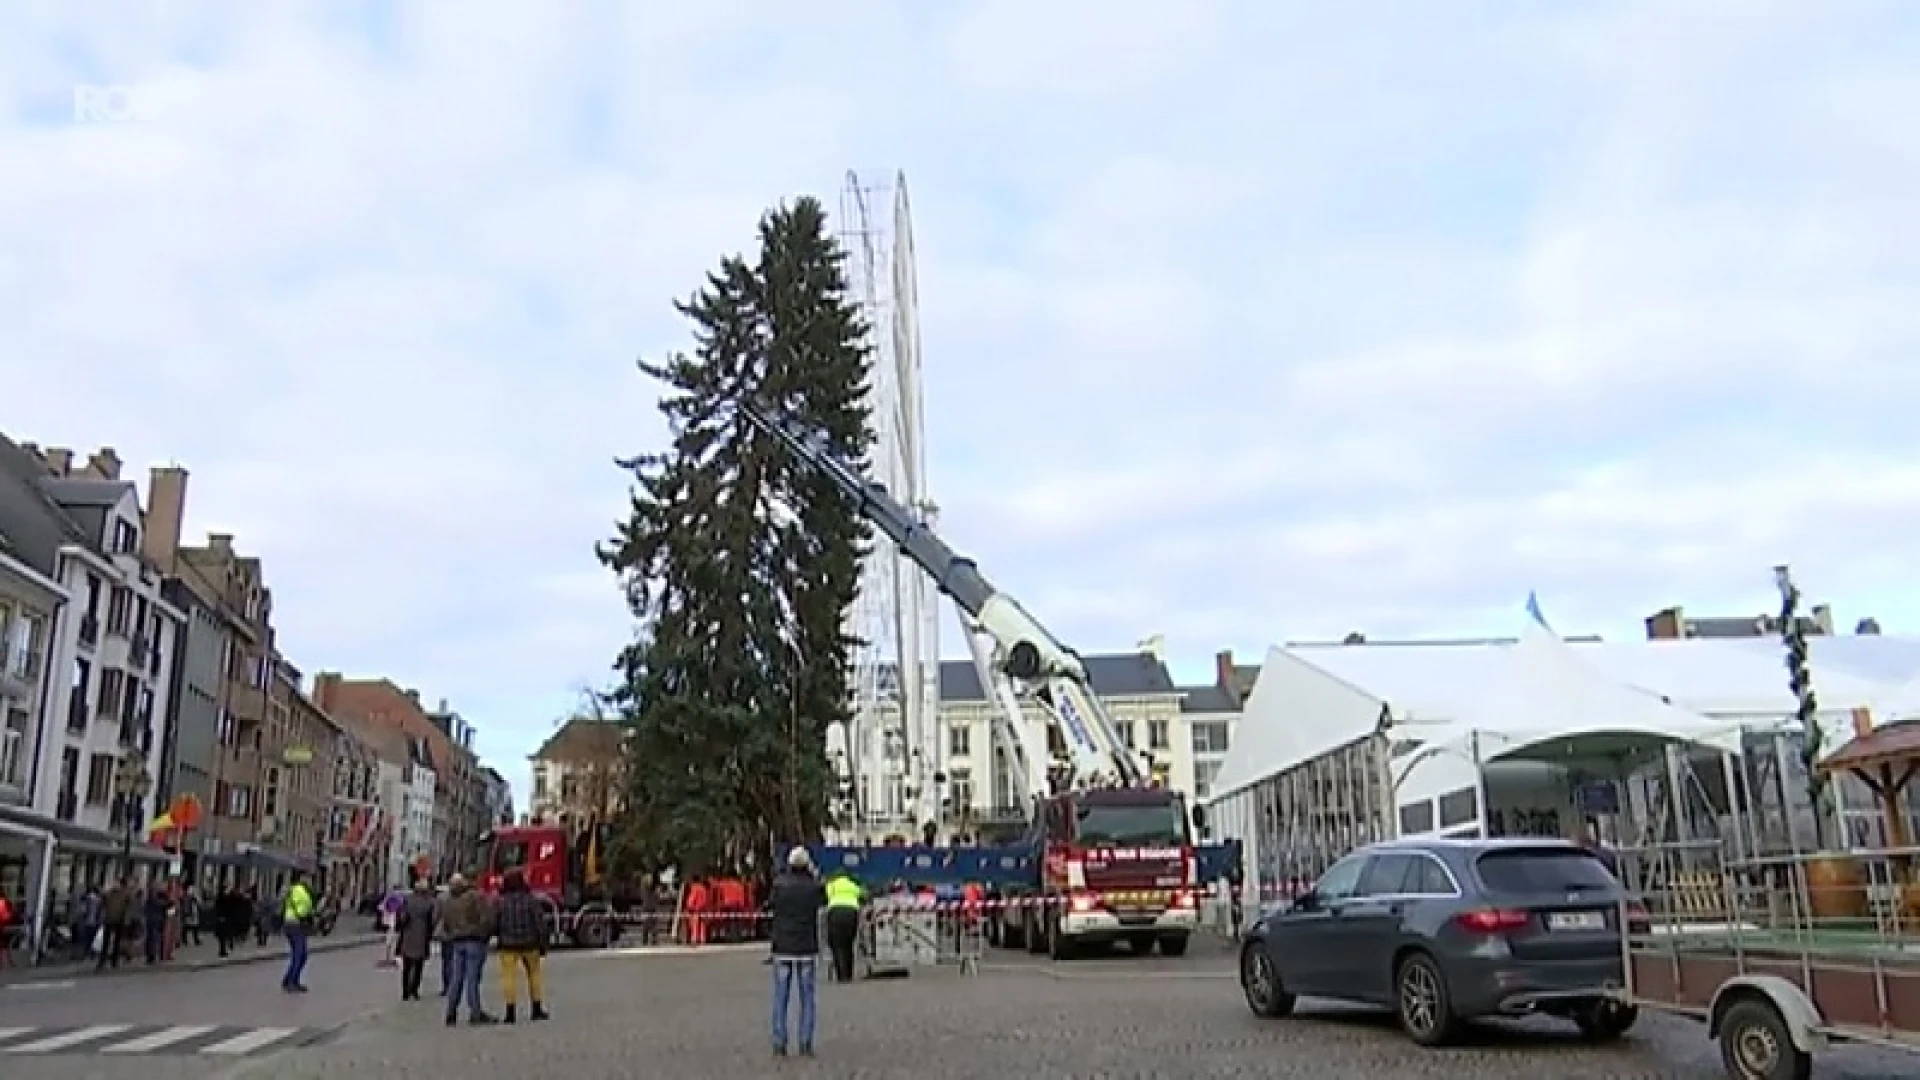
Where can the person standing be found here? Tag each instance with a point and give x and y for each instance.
(467, 921)
(843, 923)
(296, 915)
(796, 901)
(415, 929)
(522, 929)
(116, 911)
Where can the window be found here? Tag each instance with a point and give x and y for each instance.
(22, 644)
(1157, 735)
(960, 741)
(1129, 824)
(1204, 775)
(1126, 733)
(1460, 807)
(1386, 875)
(1342, 880)
(126, 538)
(1429, 878)
(1416, 818)
(239, 801)
(960, 792)
(270, 795)
(1541, 870)
(1210, 737)
(120, 611)
(100, 779)
(113, 688)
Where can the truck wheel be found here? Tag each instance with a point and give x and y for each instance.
(592, 933)
(1030, 934)
(1059, 945)
(1756, 1045)
(1173, 945)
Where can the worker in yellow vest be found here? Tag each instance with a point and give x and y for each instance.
(843, 922)
(296, 915)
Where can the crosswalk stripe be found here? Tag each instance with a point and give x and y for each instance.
(250, 1041)
(66, 1039)
(163, 1037)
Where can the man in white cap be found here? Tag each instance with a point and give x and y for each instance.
(796, 901)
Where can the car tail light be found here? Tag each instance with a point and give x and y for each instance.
(1183, 898)
(1492, 920)
(1083, 902)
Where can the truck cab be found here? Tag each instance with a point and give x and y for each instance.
(553, 858)
(1114, 864)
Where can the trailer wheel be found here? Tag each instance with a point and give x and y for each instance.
(1756, 1045)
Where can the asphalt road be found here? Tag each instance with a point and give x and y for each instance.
(619, 1014)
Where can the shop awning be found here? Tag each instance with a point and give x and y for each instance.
(76, 837)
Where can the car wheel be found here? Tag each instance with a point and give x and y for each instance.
(1605, 1020)
(1756, 1045)
(1422, 1003)
(1260, 981)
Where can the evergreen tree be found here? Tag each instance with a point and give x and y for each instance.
(740, 562)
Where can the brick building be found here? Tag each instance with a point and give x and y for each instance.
(460, 793)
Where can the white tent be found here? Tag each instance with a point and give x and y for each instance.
(1546, 692)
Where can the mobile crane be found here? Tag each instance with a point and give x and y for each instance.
(1108, 854)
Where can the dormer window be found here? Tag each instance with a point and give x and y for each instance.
(126, 537)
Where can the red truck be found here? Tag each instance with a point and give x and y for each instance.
(554, 858)
(1111, 865)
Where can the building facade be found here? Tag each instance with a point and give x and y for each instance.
(454, 771)
(579, 771)
(499, 797)
(30, 605)
(356, 850)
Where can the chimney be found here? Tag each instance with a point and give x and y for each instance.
(413, 696)
(1667, 625)
(221, 543)
(1357, 637)
(59, 460)
(166, 513)
(1223, 669)
(104, 463)
(1155, 646)
(1867, 627)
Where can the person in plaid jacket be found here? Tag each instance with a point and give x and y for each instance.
(522, 927)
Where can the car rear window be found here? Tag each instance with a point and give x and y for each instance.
(1536, 870)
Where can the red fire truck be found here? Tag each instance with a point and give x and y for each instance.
(562, 866)
(1111, 864)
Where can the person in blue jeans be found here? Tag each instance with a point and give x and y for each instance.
(796, 901)
(467, 918)
(296, 912)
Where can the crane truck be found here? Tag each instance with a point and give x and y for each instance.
(1108, 854)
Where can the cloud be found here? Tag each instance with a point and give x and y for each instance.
(1259, 322)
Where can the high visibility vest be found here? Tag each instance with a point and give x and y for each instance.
(843, 892)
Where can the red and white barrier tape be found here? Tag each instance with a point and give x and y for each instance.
(914, 905)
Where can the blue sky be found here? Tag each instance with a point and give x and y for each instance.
(1243, 322)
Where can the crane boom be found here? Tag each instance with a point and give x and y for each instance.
(1025, 651)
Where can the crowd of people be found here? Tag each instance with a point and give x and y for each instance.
(463, 922)
(122, 921)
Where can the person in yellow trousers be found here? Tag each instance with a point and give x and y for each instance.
(521, 923)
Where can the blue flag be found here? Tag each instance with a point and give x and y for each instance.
(1533, 610)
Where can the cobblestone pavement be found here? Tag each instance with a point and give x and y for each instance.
(619, 1014)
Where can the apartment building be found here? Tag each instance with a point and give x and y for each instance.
(468, 819)
(579, 771)
(356, 851)
(30, 604)
(499, 797)
(458, 789)
(304, 807)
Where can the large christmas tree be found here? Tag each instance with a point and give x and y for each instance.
(739, 563)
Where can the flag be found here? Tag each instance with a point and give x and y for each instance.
(1534, 612)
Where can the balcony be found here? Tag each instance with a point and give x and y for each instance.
(77, 711)
(67, 806)
(89, 630)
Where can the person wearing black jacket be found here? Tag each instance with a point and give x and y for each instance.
(520, 923)
(796, 900)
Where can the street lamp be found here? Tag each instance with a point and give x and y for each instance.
(130, 779)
